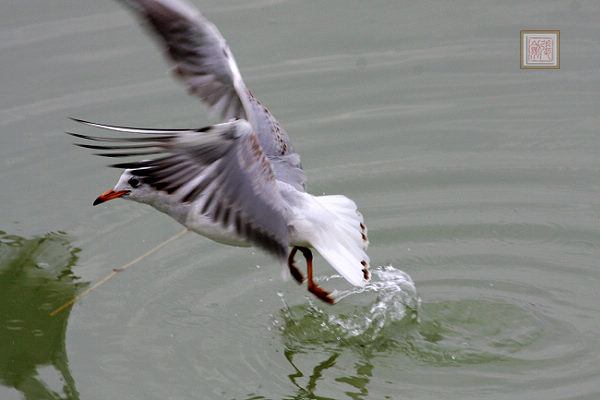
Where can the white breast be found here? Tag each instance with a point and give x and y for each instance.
(190, 215)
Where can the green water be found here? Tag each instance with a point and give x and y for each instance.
(478, 181)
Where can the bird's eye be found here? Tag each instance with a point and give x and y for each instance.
(134, 182)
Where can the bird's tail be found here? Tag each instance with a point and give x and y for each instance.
(342, 238)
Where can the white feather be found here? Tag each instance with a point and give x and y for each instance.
(333, 226)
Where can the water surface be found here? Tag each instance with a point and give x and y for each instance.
(479, 184)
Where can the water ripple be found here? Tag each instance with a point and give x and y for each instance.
(387, 317)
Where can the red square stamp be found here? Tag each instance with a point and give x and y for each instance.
(540, 49)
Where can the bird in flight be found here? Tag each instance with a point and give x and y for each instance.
(239, 182)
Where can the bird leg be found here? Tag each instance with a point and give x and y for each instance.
(321, 294)
(292, 266)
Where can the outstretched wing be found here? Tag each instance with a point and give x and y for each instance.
(204, 62)
(222, 167)
(200, 55)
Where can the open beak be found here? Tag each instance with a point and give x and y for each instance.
(111, 194)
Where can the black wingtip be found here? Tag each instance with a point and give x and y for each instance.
(77, 135)
(129, 165)
(139, 153)
(93, 147)
(80, 121)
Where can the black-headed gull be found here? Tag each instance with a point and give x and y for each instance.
(239, 182)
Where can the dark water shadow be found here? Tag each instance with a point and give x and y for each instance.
(36, 278)
(358, 381)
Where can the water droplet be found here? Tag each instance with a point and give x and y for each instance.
(389, 297)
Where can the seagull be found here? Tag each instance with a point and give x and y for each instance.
(239, 182)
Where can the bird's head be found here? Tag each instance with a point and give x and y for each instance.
(129, 187)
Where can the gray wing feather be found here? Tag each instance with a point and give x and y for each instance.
(288, 169)
(199, 52)
(221, 166)
(205, 64)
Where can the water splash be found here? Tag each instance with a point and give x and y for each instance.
(394, 289)
(386, 317)
(359, 315)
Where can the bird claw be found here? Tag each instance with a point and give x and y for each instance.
(320, 293)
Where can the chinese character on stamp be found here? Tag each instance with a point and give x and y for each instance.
(540, 49)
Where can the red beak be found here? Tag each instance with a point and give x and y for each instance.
(111, 194)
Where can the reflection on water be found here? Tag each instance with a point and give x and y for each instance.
(35, 278)
(388, 302)
(307, 392)
(387, 319)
